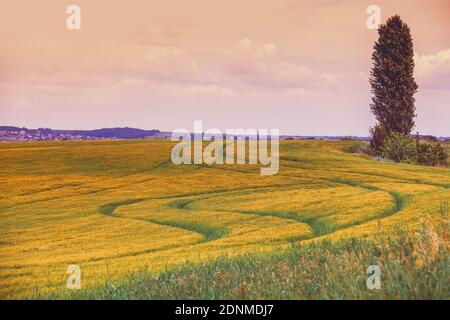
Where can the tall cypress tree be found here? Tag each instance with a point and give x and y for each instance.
(392, 77)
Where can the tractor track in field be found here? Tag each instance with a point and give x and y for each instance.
(399, 201)
(318, 228)
(209, 233)
(213, 233)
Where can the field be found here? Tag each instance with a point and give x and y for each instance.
(115, 208)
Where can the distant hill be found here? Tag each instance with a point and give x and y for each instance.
(10, 128)
(122, 133)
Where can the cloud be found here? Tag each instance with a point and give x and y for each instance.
(158, 53)
(433, 71)
(433, 63)
(249, 68)
(202, 90)
(266, 67)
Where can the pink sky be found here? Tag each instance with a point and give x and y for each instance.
(300, 66)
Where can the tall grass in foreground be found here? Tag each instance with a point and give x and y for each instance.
(414, 265)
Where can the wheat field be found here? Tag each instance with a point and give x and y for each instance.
(113, 207)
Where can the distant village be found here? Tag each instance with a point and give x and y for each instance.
(24, 135)
(9, 133)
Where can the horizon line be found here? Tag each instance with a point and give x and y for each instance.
(192, 131)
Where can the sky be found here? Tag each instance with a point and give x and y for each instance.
(298, 66)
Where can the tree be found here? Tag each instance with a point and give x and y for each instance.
(392, 78)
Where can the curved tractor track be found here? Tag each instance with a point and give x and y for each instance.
(210, 233)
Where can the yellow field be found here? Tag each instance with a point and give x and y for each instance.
(112, 207)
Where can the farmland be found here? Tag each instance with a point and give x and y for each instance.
(116, 207)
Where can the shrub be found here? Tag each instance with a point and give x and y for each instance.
(402, 148)
(431, 154)
(378, 135)
(399, 148)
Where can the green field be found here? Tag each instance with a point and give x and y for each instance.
(140, 227)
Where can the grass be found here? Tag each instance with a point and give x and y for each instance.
(413, 266)
(116, 207)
